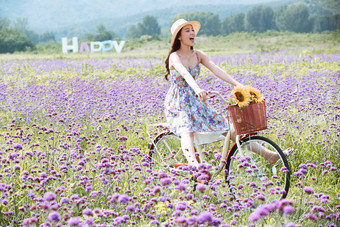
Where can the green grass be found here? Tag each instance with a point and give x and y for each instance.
(236, 43)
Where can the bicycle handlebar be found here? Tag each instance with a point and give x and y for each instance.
(219, 94)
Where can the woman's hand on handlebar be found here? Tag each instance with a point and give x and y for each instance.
(202, 95)
(211, 95)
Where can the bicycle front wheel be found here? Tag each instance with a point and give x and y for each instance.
(250, 175)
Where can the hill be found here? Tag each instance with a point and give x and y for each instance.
(67, 18)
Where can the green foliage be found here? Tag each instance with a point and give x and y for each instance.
(237, 23)
(4, 23)
(234, 43)
(101, 35)
(11, 40)
(132, 32)
(324, 6)
(148, 27)
(22, 25)
(210, 22)
(326, 23)
(259, 19)
(46, 37)
(49, 47)
(293, 18)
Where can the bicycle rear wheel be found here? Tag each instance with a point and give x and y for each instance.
(251, 176)
(166, 153)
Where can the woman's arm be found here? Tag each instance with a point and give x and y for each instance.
(220, 73)
(176, 63)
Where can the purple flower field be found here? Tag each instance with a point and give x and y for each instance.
(73, 143)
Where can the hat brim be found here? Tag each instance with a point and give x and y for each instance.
(195, 24)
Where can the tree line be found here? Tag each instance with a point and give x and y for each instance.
(295, 18)
(18, 37)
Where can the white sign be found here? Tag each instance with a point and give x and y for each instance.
(97, 46)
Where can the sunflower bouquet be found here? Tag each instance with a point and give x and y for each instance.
(245, 95)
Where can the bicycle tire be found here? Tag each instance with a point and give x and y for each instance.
(165, 151)
(258, 179)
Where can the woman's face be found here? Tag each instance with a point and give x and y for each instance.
(188, 35)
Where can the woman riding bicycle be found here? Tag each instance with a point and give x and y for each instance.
(188, 114)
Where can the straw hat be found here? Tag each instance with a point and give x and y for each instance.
(180, 23)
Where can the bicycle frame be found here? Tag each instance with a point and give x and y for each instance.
(246, 144)
(226, 144)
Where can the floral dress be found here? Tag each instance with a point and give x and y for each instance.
(186, 113)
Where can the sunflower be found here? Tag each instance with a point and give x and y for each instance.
(241, 96)
(255, 95)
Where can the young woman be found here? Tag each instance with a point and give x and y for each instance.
(186, 109)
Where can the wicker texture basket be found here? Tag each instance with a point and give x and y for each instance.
(248, 119)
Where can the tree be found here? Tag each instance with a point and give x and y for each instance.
(211, 25)
(293, 18)
(12, 40)
(330, 6)
(4, 22)
(21, 24)
(226, 26)
(237, 22)
(149, 26)
(47, 36)
(101, 28)
(101, 35)
(259, 19)
(32, 36)
(281, 20)
(132, 32)
(210, 22)
(325, 22)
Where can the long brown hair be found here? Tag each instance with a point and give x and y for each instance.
(174, 48)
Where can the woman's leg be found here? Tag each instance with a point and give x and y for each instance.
(269, 155)
(187, 143)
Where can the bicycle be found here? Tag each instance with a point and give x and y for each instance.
(247, 173)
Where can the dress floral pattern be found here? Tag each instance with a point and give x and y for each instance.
(186, 113)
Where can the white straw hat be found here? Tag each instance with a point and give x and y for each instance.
(180, 23)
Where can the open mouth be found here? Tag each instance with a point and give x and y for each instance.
(192, 39)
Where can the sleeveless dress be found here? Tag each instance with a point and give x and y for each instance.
(186, 113)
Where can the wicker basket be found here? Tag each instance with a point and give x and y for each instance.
(248, 119)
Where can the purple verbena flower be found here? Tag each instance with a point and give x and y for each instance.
(54, 216)
(204, 217)
(308, 190)
(154, 222)
(181, 206)
(166, 181)
(88, 212)
(75, 221)
(201, 188)
(288, 209)
(124, 199)
(50, 196)
(64, 200)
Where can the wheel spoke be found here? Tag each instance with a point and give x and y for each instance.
(166, 151)
(251, 173)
